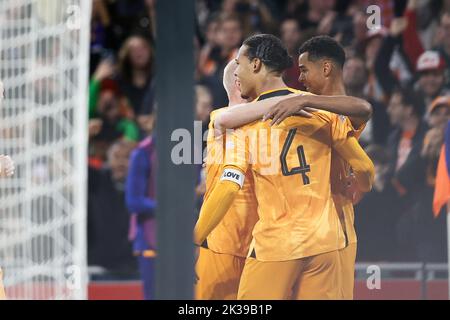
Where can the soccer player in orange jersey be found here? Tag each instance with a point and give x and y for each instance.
(298, 234)
(221, 257)
(316, 55)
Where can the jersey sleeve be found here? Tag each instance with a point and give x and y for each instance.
(214, 209)
(341, 129)
(363, 168)
(356, 132)
(237, 154)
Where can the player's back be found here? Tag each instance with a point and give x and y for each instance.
(291, 168)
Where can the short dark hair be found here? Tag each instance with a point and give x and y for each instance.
(410, 97)
(323, 47)
(270, 50)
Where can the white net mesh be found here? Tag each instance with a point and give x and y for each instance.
(44, 46)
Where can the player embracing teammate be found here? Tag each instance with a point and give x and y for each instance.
(303, 229)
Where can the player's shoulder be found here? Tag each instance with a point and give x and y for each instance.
(213, 115)
(319, 121)
(297, 91)
(324, 115)
(342, 120)
(216, 112)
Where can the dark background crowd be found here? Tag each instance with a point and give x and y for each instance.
(401, 67)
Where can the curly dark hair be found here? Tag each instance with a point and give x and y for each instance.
(270, 50)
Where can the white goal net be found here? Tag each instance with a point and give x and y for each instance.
(44, 50)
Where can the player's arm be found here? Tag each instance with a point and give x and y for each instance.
(245, 113)
(218, 203)
(221, 197)
(359, 111)
(363, 168)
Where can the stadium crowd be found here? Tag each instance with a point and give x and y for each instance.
(402, 68)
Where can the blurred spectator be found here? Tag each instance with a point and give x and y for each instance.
(229, 38)
(310, 12)
(108, 121)
(429, 67)
(378, 50)
(439, 115)
(338, 23)
(291, 37)
(135, 70)
(427, 15)
(141, 202)
(147, 20)
(391, 64)
(108, 244)
(203, 107)
(101, 36)
(211, 64)
(376, 215)
(356, 77)
(211, 33)
(444, 37)
(128, 17)
(431, 76)
(432, 240)
(405, 112)
(211, 41)
(439, 112)
(145, 118)
(407, 167)
(254, 15)
(411, 42)
(203, 12)
(359, 31)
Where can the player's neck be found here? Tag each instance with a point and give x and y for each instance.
(233, 101)
(270, 83)
(333, 87)
(356, 92)
(235, 98)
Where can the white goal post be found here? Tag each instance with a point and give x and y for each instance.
(44, 63)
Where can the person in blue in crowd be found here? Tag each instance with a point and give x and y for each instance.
(141, 202)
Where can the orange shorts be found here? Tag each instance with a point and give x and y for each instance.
(218, 275)
(347, 258)
(310, 278)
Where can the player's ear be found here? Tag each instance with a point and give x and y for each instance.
(327, 68)
(256, 64)
(237, 85)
